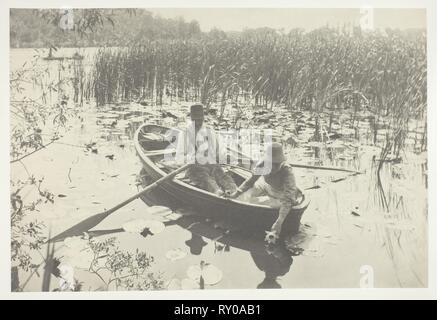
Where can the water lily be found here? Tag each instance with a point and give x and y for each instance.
(139, 225)
(175, 254)
(211, 274)
(154, 226)
(135, 226)
(160, 210)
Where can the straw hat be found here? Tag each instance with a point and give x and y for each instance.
(274, 153)
(196, 112)
(196, 244)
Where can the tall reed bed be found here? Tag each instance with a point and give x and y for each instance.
(383, 73)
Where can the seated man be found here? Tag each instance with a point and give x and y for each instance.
(278, 184)
(204, 145)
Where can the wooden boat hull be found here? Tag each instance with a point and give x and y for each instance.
(255, 217)
(62, 58)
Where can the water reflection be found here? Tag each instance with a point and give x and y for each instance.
(405, 184)
(196, 244)
(197, 236)
(274, 260)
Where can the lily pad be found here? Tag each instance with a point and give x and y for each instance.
(75, 243)
(173, 216)
(175, 254)
(211, 274)
(194, 272)
(161, 219)
(155, 226)
(160, 210)
(135, 226)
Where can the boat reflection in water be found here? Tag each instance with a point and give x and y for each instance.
(196, 244)
(273, 260)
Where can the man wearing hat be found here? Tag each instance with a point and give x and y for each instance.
(196, 244)
(202, 148)
(278, 183)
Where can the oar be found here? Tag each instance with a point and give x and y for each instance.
(296, 165)
(243, 155)
(94, 220)
(324, 168)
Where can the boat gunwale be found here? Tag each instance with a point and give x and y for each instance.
(146, 159)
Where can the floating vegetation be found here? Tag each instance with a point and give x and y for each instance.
(175, 254)
(332, 98)
(139, 225)
(135, 226)
(205, 273)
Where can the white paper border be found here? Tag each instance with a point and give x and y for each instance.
(294, 294)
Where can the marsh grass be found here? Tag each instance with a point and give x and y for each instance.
(325, 70)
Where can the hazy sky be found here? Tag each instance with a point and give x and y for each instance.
(287, 18)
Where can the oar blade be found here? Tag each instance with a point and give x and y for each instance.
(81, 227)
(94, 220)
(98, 233)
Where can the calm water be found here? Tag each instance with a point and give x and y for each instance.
(331, 250)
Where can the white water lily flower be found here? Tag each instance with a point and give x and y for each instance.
(211, 274)
(135, 226)
(175, 254)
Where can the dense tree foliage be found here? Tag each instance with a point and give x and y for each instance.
(31, 28)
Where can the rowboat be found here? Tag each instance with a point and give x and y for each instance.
(151, 145)
(76, 56)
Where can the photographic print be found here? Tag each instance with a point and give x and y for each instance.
(217, 148)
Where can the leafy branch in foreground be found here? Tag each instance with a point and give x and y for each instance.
(27, 235)
(126, 270)
(36, 118)
(40, 109)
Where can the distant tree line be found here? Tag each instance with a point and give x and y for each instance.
(32, 28)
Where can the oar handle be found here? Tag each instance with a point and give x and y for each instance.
(296, 165)
(149, 187)
(173, 173)
(242, 154)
